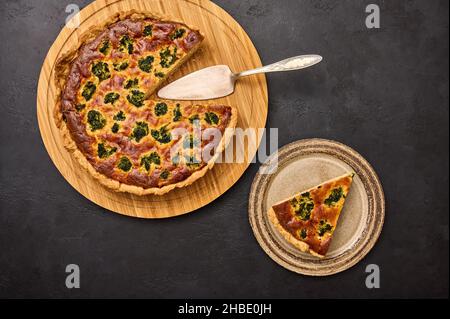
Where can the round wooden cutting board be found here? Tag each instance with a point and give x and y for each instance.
(305, 164)
(226, 43)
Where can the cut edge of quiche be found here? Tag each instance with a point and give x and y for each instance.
(308, 219)
(62, 70)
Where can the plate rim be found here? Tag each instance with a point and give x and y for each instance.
(371, 231)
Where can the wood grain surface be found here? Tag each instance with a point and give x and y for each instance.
(226, 43)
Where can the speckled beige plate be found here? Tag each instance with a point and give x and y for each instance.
(304, 164)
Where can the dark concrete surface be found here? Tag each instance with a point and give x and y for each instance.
(383, 92)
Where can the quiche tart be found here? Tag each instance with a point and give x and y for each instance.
(308, 219)
(112, 124)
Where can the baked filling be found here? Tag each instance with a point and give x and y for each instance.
(107, 107)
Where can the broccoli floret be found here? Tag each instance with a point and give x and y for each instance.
(89, 90)
(101, 70)
(211, 118)
(124, 164)
(168, 58)
(162, 135)
(115, 128)
(303, 206)
(334, 197)
(324, 227)
(164, 174)
(159, 74)
(126, 44)
(194, 118)
(303, 234)
(121, 66)
(140, 131)
(177, 113)
(119, 116)
(96, 120)
(147, 161)
(136, 98)
(148, 30)
(131, 84)
(104, 48)
(80, 107)
(104, 151)
(178, 34)
(160, 109)
(145, 64)
(111, 97)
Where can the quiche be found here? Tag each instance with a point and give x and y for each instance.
(309, 219)
(112, 123)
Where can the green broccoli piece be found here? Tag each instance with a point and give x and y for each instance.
(111, 97)
(334, 197)
(162, 135)
(178, 34)
(159, 74)
(303, 234)
(115, 128)
(96, 120)
(119, 116)
(145, 64)
(194, 118)
(211, 118)
(89, 90)
(160, 109)
(104, 48)
(136, 98)
(177, 113)
(121, 66)
(101, 70)
(147, 161)
(168, 58)
(126, 44)
(324, 227)
(80, 107)
(104, 152)
(303, 206)
(132, 84)
(124, 164)
(148, 30)
(140, 131)
(164, 174)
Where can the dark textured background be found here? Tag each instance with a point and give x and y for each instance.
(383, 92)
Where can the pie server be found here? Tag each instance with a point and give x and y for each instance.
(218, 81)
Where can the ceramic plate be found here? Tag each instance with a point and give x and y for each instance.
(302, 165)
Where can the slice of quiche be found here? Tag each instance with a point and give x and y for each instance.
(308, 219)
